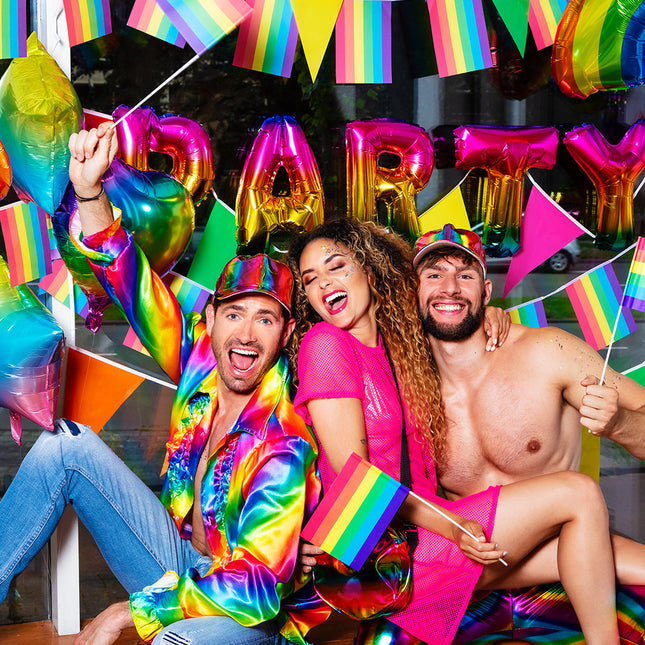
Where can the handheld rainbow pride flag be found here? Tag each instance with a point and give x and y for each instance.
(267, 38)
(596, 298)
(13, 28)
(544, 16)
(190, 295)
(204, 22)
(460, 37)
(634, 297)
(148, 16)
(529, 314)
(364, 42)
(87, 19)
(355, 512)
(26, 236)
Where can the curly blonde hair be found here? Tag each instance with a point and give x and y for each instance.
(387, 260)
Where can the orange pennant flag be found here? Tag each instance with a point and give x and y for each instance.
(95, 388)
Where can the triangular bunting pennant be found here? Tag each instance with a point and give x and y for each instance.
(95, 388)
(637, 373)
(216, 247)
(546, 228)
(449, 210)
(315, 22)
(515, 14)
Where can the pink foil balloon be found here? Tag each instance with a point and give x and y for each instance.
(31, 357)
(506, 154)
(280, 143)
(184, 140)
(368, 181)
(613, 169)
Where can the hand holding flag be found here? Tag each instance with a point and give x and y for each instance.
(356, 510)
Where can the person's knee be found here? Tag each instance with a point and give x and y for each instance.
(584, 493)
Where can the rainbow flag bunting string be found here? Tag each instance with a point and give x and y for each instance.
(634, 294)
(267, 38)
(149, 17)
(26, 236)
(87, 19)
(13, 28)
(544, 16)
(56, 284)
(529, 314)
(364, 42)
(192, 297)
(460, 37)
(204, 22)
(132, 341)
(596, 299)
(355, 512)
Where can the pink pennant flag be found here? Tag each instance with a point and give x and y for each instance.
(546, 227)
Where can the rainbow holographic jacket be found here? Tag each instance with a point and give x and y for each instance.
(261, 481)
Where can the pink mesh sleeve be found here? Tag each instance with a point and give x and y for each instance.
(327, 368)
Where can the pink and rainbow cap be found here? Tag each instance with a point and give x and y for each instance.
(450, 236)
(256, 274)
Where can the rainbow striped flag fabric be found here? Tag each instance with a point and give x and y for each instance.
(267, 38)
(13, 28)
(460, 37)
(204, 22)
(364, 42)
(354, 512)
(87, 19)
(26, 237)
(634, 297)
(148, 16)
(192, 297)
(529, 314)
(56, 284)
(132, 341)
(544, 16)
(596, 299)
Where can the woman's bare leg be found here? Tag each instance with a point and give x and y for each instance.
(572, 505)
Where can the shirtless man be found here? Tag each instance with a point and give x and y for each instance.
(516, 412)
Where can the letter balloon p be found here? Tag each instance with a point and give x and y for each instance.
(370, 180)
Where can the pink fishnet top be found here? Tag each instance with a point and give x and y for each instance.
(333, 364)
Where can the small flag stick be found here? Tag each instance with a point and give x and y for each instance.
(159, 87)
(436, 509)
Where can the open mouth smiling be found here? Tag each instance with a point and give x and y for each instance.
(449, 307)
(335, 301)
(242, 359)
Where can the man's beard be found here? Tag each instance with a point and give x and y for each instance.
(465, 329)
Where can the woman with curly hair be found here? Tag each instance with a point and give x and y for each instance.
(366, 376)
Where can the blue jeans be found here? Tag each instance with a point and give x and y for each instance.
(131, 527)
